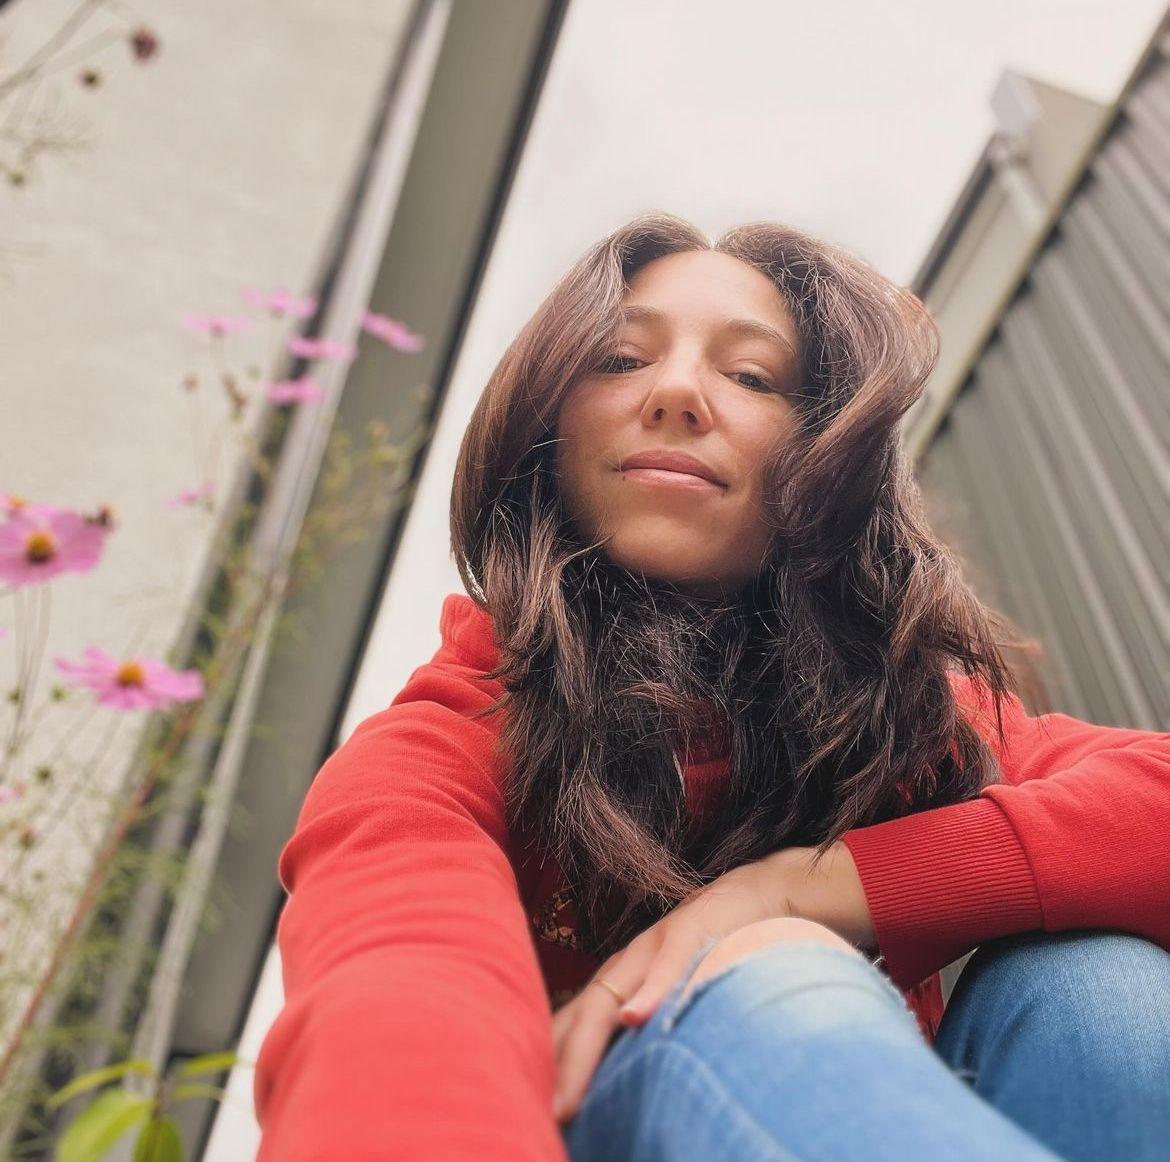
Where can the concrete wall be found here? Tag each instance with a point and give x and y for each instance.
(223, 162)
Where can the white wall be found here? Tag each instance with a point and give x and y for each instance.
(225, 161)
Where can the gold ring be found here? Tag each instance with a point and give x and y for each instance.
(606, 985)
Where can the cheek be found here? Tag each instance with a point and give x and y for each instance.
(571, 420)
(573, 454)
(760, 441)
(583, 423)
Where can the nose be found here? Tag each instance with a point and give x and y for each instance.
(677, 394)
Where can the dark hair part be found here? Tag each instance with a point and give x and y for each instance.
(826, 679)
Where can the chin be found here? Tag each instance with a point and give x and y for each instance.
(663, 566)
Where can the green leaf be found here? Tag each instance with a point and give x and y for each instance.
(100, 1125)
(198, 1089)
(208, 1063)
(159, 1142)
(99, 1077)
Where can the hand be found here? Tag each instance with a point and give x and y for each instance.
(784, 883)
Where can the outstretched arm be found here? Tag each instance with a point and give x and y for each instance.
(415, 1023)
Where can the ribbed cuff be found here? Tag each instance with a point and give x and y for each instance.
(942, 881)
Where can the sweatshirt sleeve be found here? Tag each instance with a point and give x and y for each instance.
(415, 1022)
(1074, 836)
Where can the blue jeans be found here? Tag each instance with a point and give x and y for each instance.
(1052, 1046)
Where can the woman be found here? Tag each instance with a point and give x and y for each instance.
(718, 768)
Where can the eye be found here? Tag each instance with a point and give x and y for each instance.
(617, 364)
(610, 365)
(762, 384)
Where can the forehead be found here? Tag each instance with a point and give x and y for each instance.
(706, 289)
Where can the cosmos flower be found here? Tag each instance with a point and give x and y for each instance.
(393, 332)
(303, 390)
(191, 496)
(132, 684)
(281, 303)
(10, 503)
(217, 326)
(322, 349)
(38, 542)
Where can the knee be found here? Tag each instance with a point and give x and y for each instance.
(1104, 996)
(763, 934)
(799, 981)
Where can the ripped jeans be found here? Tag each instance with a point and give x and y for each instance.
(1053, 1045)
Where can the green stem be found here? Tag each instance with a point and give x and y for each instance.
(35, 63)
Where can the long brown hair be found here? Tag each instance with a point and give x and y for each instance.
(825, 680)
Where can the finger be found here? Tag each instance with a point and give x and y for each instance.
(615, 966)
(664, 973)
(566, 1016)
(581, 1054)
(591, 1004)
(624, 971)
(561, 1023)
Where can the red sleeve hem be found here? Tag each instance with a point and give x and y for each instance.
(942, 881)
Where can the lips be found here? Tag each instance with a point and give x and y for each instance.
(671, 460)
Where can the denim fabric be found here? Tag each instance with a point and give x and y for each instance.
(1068, 1034)
(806, 1052)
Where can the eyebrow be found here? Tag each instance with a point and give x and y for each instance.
(749, 328)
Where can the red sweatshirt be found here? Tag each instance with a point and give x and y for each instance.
(421, 961)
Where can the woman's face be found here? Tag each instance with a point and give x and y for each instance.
(707, 355)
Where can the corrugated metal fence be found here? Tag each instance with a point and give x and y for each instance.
(1051, 473)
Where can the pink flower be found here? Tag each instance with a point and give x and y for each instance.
(191, 496)
(392, 331)
(38, 542)
(322, 349)
(11, 793)
(10, 504)
(281, 303)
(217, 326)
(133, 684)
(303, 390)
